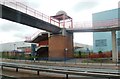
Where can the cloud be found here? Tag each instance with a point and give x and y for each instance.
(35, 4)
(22, 35)
(15, 31)
(19, 35)
(7, 26)
(85, 5)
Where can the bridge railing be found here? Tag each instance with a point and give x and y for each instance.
(17, 5)
(29, 38)
(82, 25)
(110, 23)
(106, 23)
(32, 12)
(25, 9)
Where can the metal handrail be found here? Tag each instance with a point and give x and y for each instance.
(25, 9)
(28, 10)
(32, 12)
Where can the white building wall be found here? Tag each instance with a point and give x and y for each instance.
(13, 46)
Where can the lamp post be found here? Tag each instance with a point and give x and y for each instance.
(66, 50)
(14, 49)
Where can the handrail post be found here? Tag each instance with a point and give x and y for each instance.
(2, 67)
(26, 9)
(38, 72)
(66, 76)
(17, 69)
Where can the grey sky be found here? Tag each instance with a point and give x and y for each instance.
(12, 26)
(85, 5)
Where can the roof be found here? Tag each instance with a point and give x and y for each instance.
(39, 37)
(60, 17)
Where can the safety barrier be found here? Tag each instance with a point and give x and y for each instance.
(61, 70)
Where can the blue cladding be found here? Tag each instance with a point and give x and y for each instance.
(105, 15)
(97, 36)
(118, 12)
(100, 36)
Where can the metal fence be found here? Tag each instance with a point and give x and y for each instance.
(101, 62)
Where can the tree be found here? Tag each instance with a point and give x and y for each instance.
(100, 52)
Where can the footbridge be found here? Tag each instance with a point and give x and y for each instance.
(25, 15)
(20, 13)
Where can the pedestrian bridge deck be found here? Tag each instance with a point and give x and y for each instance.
(20, 13)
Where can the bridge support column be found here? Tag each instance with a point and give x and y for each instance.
(114, 47)
(61, 45)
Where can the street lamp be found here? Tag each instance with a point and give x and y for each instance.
(66, 50)
(14, 50)
(14, 47)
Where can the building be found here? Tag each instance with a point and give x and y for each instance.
(83, 47)
(16, 47)
(102, 41)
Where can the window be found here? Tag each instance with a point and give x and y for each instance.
(101, 42)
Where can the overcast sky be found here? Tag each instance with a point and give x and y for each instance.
(79, 10)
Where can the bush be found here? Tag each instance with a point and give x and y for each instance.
(100, 52)
(101, 55)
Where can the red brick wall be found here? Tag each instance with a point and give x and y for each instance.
(57, 45)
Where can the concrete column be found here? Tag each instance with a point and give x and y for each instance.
(114, 47)
(64, 33)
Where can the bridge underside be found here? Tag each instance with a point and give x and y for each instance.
(19, 17)
(95, 29)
